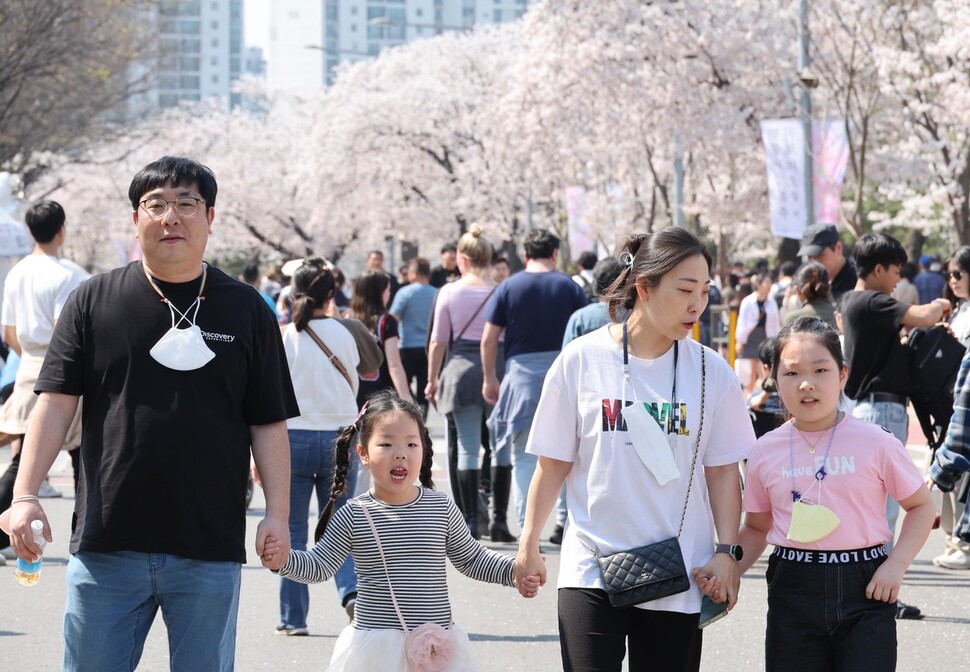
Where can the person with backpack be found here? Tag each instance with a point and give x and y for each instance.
(879, 370)
(584, 278)
(372, 292)
(949, 472)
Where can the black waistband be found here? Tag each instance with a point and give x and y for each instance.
(875, 397)
(831, 557)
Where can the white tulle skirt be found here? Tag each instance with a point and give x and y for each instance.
(372, 650)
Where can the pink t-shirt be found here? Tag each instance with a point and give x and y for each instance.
(460, 304)
(865, 464)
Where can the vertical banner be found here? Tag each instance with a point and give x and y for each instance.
(784, 145)
(830, 152)
(580, 236)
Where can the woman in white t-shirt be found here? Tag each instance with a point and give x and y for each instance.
(323, 358)
(630, 488)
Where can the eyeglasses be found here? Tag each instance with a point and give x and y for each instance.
(954, 275)
(185, 206)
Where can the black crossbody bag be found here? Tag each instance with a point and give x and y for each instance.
(656, 570)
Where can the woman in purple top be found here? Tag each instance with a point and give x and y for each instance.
(456, 389)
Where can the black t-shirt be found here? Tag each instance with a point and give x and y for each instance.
(845, 281)
(876, 358)
(165, 454)
(441, 276)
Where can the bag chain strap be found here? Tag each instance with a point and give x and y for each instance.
(697, 444)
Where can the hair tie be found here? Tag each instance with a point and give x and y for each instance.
(363, 409)
(626, 259)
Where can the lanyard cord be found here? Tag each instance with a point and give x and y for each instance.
(172, 308)
(626, 367)
(821, 473)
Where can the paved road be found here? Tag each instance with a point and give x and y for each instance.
(507, 632)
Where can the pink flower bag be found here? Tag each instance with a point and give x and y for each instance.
(429, 647)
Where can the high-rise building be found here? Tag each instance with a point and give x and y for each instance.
(309, 38)
(200, 53)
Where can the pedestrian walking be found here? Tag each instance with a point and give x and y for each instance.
(176, 391)
(641, 382)
(400, 535)
(412, 307)
(816, 489)
(531, 309)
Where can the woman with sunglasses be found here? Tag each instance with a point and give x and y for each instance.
(957, 292)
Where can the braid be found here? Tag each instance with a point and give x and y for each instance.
(427, 459)
(341, 468)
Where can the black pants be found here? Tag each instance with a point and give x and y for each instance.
(415, 361)
(593, 635)
(6, 492)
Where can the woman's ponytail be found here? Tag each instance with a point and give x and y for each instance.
(623, 293)
(341, 469)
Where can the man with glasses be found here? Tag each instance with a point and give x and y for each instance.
(182, 369)
(822, 243)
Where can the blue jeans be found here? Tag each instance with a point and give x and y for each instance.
(820, 619)
(893, 417)
(311, 466)
(112, 599)
(523, 466)
(468, 424)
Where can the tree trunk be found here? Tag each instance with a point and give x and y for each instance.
(914, 244)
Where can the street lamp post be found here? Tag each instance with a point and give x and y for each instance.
(808, 81)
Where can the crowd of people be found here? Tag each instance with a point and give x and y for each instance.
(583, 394)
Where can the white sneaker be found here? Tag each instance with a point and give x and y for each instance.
(48, 491)
(7, 553)
(960, 559)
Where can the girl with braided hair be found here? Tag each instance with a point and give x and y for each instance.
(399, 534)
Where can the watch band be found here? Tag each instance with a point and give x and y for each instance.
(734, 550)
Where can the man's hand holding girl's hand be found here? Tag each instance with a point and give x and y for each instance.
(272, 556)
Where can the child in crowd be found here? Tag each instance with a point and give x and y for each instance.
(816, 488)
(399, 534)
(764, 404)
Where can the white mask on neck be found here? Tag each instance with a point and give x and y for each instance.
(182, 349)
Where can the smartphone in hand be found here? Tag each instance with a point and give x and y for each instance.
(711, 612)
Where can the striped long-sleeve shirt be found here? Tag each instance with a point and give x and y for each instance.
(417, 538)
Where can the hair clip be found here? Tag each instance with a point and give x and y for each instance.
(626, 259)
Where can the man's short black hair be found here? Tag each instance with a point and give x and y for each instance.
(177, 171)
(586, 261)
(449, 247)
(877, 249)
(45, 219)
(250, 272)
(540, 244)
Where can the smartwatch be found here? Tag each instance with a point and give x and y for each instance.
(733, 550)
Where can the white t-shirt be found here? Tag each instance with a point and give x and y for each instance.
(326, 401)
(614, 502)
(34, 293)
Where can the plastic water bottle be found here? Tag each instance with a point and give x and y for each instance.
(28, 573)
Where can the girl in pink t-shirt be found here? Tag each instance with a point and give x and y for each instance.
(816, 489)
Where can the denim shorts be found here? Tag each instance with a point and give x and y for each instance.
(819, 618)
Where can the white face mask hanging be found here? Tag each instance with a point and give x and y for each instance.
(652, 444)
(182, 349)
